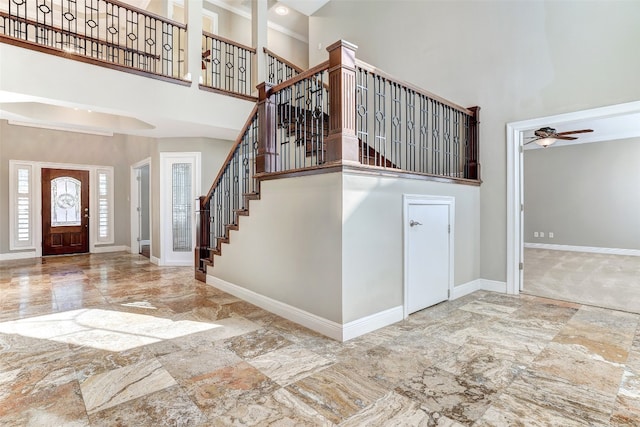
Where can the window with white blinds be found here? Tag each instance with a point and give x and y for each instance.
(104, 205)
(21, 218)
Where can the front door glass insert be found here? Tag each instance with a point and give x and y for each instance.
(65, 202)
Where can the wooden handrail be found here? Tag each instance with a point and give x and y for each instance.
(90, 60)
(231, 153)
(75, 35)
(147, 13)
(231, 42)
(414, 88)
(284, 61)
(305, 75)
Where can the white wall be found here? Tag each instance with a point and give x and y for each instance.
(372, 239)
(516, 60)
(586, 194)
(289, 247)
(51, 79)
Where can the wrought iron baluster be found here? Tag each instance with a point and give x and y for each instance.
(229, 67)
(456, 143)
(446, 117)
(424, 134)
(235, 190)
(411, 131)
(362, 104)
(380, 131)
(435, 138)
(396, 124)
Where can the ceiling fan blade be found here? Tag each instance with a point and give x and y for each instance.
(574, 131)
(206, 53)
(567, 138)
(529, 142)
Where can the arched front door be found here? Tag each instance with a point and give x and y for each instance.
(65, 211)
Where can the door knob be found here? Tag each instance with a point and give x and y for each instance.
(413, 223)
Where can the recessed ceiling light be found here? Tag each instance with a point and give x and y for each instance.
(282, 10)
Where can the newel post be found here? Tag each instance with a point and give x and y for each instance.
(202, 238)
(342, 142)
(472, 165)
(267, 157)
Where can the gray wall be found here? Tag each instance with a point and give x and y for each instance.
(290, 246)
(119, 151)
(586, 194)
(145, 214)
(517, 60)
(214, 152)
(238, 28)
(373, 240)
(43, 145)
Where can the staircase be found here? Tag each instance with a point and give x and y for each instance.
(305, 125)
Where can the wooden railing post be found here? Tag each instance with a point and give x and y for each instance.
(267, 157)
(203, 235)
(472, 167)
(342, 142)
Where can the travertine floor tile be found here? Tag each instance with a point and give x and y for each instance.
(111, 339)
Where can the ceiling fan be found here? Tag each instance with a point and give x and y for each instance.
(205, 58)
(546, 136)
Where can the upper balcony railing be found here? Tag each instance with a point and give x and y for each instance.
(103, 31)
(227, 66)
(279, 69)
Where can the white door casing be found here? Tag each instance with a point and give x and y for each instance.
(515, 185)
(169, 256)
(134, 204)
(428, 250)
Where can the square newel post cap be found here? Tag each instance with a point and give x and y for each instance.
(342, 53)
(342, 43)
(264, 90)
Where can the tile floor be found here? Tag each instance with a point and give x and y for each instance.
(111, 340)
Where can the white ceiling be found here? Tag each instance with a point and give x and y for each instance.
(306, 7)
(605, 128)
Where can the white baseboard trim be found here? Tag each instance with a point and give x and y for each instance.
(304, 318)
(106, 249)
(314, 322)
(9, 256)
(154, 260)
(465, 289)
(493, 286)
(372, 322)
(477, 285)
(588, 249)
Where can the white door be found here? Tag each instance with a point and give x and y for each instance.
(179, 189)
(428, 254)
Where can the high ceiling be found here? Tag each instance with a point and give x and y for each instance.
(605, 128)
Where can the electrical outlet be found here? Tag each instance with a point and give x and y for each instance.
(542, 234)
(551, 234)
(535, 234)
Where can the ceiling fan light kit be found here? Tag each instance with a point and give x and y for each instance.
(547, 136)
(545, 142)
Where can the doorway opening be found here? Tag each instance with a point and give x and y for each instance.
(141, 208)
(609, 124)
